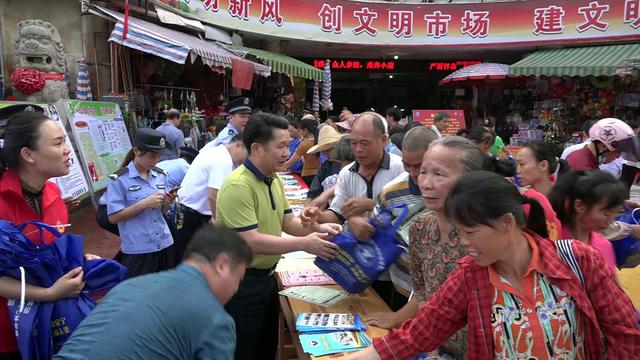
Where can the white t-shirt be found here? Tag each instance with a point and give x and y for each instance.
(350, 184)
(208, 170)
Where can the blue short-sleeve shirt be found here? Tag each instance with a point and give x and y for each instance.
(146, 232)
(175, 139)
(226, 135)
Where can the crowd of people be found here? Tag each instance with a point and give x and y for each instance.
(508, 255)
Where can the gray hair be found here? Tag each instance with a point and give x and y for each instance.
(470, 158)
(342, 150)
(378, 121)
(418, 139)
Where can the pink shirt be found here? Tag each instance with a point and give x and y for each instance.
(600, 243)
(553, 224)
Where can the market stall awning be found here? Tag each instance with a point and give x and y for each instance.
(168, 17)
(171, 44)
(282, 63)
(584, 61)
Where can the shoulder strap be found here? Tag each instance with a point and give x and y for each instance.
(564, 248)
(119, 173)
(159, 170)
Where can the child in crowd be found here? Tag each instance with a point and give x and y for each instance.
(587, 202)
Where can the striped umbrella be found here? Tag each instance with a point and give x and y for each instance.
(478, 72)
(83, 85)
(315, 103)
(326, 87)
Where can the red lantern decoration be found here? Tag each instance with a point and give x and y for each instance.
(27, 81)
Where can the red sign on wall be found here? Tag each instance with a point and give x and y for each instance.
(451, 65)
(356, 64)
(426, 117)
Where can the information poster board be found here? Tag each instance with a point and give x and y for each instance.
(74, 184)
(426, 117)
(101, 136)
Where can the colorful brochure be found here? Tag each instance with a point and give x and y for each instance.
(335, 342)
(326, 322)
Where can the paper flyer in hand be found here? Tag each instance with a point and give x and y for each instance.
(335, 342)
(325, 322)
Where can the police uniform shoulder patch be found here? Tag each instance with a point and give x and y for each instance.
(119, 173)
(159, 170)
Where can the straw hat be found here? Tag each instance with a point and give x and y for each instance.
(327, 138)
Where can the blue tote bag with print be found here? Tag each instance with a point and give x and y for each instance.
(359, 263)
(42, 327)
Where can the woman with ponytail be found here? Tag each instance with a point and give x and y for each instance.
(587, 202)
(537, 169)
(539, 166)
(311, 162)
(518, 297)
(32, 151)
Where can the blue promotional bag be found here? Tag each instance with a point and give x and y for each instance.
(628, 249)
(43, 327)
(359, 263)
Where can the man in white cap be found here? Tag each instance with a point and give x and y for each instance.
(239, 111)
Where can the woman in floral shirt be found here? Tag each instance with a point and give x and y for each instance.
(433, 258)
(434, 245)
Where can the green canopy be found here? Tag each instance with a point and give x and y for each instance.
(584, 61)
(282, 63)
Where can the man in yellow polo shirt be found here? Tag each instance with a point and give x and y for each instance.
(252, 202)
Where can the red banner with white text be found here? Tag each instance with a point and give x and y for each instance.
(484, 24)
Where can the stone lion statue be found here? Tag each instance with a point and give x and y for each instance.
(40, 63)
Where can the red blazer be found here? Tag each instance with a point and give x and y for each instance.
(466, 299)
(14, 208)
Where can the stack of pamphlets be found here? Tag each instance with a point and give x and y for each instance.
(329, 333)
(294, 191)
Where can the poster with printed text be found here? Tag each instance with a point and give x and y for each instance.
(102, 138)
(426, 117)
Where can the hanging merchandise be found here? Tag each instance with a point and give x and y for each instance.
(326, 87)
(315, 102)
(83, 85)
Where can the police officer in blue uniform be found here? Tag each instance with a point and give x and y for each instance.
(137, 198)
(239, 111)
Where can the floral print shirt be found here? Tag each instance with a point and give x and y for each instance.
(433, 258)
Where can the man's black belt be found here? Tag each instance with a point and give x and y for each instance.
(189, 210)
(260, 272)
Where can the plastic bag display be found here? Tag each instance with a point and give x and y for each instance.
(359, 263)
